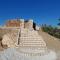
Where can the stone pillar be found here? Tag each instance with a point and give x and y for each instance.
(37, 27)
(30, 23)
(21, 23)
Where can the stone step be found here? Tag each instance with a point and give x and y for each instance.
(31, 38)
(32, 45)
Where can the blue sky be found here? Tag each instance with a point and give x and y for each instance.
(42, 11)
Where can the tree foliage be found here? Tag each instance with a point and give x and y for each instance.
(54, 31)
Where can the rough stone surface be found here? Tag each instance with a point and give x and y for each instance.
(28, 40)
(13, 54)
(10, 39)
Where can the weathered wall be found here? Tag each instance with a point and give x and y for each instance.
(13, 23)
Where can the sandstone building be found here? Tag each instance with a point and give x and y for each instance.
(21, 23)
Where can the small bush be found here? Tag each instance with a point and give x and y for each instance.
(51, 30)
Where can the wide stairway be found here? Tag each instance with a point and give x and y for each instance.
(31, 43)
(27, 42)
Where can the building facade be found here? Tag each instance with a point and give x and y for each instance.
(29, 24)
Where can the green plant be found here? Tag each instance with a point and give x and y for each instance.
(51, 30)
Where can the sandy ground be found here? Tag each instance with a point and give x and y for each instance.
(52, 42)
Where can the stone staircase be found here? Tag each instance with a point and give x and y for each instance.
(31, 38)
(27, 41)
(31, 43)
